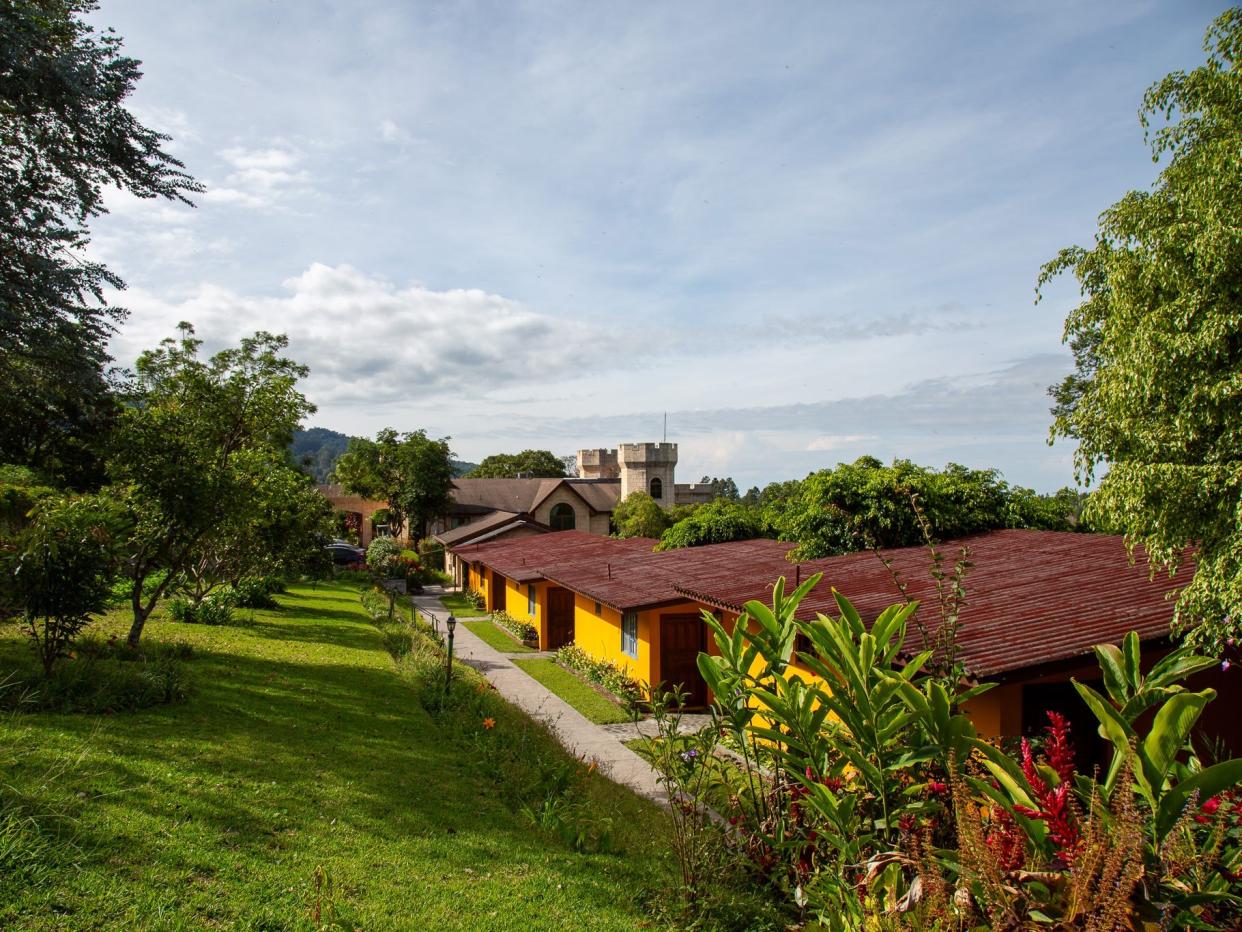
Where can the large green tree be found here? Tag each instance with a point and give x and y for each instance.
(1155, 401)
(533, 464)
(411, 472)
(717, 522)
(188, 447)
(66, 137)
(868, 504)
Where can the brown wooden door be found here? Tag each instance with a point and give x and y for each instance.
(682, 637)
(560, 617)
(498, 592)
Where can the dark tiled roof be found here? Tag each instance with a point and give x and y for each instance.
(1032, 597)
(495, 521)
(525, 495)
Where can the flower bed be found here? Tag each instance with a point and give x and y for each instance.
(601, 672)
(524, 631)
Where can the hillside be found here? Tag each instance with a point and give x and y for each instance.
(317, 449)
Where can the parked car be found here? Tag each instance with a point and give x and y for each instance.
(343, 553)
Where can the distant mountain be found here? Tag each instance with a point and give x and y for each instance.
(317, 450)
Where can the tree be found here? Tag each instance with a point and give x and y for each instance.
(189, 445)
(411, 472)
(722, 488)
(716, 522)
(639, 515)
(60, 568)
(867, 504)
(280, 532)
(66, 136)
(531, 464)
(1154, 402)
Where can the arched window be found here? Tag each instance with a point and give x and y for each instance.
(657, 488)
(562, 517)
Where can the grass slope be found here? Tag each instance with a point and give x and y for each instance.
(494, 637)
(456, 603)
(300, 747)
(573, 690)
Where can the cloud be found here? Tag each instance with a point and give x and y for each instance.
(390, 132)
(836, 441)
(370, 342)
(260, 178)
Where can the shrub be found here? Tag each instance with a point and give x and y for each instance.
(383, 556)
(216, 608)
(522, 630)
(256, 591)
(475, 599)
(60, 569)
(601, 672)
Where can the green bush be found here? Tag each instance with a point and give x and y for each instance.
(522, 630)
(215, 609)
(601, 672)
(475, 598)
(256, 591)
(384, 556)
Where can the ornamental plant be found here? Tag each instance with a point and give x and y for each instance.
(864, 799)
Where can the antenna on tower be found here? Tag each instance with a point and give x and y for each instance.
(666, 427)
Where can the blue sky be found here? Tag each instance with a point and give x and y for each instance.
(807, 231)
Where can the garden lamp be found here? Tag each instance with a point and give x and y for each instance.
(451, 623)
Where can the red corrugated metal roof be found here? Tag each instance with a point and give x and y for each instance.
(1032, 597)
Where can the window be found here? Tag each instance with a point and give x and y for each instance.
(629, 634)
(562, 517)
(657, 488)
(530, 599)
(597, 609)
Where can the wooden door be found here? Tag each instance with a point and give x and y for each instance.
(498, 592)
(682, 637)
(560, 617)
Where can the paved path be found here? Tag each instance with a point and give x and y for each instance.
(577, 733)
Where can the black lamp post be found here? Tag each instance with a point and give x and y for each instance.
(451, 623)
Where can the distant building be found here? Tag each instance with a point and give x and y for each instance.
(492, 509)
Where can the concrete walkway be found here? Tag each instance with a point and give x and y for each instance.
(576, 732)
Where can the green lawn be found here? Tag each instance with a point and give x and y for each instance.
(300, 747)
(456, 603)
(498, 639)
(582, 696)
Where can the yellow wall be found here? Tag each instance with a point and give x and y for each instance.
(516, 603)
(998, 712)
(599, 634)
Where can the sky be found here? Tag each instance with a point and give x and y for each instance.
(805, 231)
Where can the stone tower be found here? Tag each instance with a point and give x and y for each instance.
(648, 467)
(598, 464)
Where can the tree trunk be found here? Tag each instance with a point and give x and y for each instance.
(141, 613)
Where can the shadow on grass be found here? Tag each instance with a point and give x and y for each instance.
(272, 755)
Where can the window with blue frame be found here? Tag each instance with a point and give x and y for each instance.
(530, 599)
(629, 634)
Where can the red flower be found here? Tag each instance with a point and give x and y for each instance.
(1005, 841)
(1054, 805)
(936, 788)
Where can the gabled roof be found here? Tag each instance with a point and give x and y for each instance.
(525, 495)
(494, 524)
